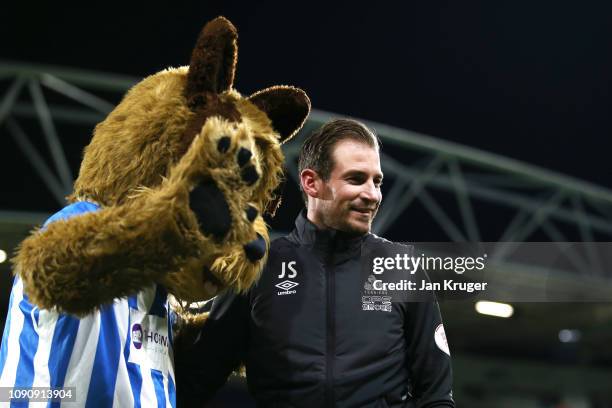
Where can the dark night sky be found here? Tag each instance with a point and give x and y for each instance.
(529, 79)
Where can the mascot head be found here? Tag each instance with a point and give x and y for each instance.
(143, 142)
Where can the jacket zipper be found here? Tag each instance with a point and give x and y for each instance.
(331, 331)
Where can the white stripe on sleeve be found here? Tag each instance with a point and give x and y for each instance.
(12, 359)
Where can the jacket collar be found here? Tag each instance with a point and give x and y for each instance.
(331, 245)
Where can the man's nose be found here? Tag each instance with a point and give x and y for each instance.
(371, 193)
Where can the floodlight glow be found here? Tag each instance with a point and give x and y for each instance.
(569, 336)
(494, 309)
(2, 256)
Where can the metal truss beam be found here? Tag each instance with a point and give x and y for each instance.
(541, 199)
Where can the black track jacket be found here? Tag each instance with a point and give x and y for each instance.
(308, 340)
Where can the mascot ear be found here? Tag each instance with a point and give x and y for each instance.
(213, 60)
(286, 106)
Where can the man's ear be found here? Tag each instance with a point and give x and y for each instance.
(311, 183)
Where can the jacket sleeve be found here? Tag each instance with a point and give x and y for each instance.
(204, 360)
(429, 356)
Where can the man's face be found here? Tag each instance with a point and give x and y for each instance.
(350, 198)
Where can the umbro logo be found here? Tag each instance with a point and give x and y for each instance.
(288, 271)
(286, 285)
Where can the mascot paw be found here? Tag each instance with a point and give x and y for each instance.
(223, 168)
(214, 217)
(211, 210)
(231, 147)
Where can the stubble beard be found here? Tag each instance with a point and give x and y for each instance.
(344, 222)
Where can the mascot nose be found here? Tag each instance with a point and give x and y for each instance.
(256, 249)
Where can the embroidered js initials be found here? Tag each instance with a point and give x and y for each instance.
(292, 274)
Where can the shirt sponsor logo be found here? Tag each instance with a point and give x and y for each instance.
(137, 336)
(150, 343)
(140, 336)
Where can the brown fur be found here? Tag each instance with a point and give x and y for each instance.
(284, 106)
(215, 106)
(138, 141)
(143, 161)
(213, 61)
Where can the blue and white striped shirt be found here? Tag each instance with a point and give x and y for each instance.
(118, 356)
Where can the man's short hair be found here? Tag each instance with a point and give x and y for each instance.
(316, 152)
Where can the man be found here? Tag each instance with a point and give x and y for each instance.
(303, 333)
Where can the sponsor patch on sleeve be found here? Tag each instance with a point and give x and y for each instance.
(440, 337)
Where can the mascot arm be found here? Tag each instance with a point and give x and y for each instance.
(186, 223)
(84, 262)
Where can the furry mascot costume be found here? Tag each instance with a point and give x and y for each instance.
(169, 200)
